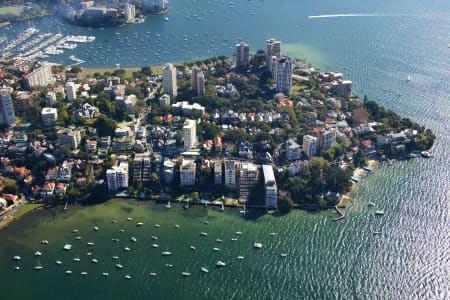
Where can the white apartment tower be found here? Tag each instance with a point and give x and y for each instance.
(248, 176)
(242, 54)
(230, 173)
(270, 186)
(41, 76)
(284, 75)
(71, 91)
(198, 81)
(7, 115)
(309, 145)
(189, 134)
(49, 116)
(170, 79)
(187, 172)
(273, 48)
(117, 177)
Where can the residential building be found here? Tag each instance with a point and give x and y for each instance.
(51, 98)
(198, 81)
(309, 145)
(7, 115)
(242, 54)
(47, 190)
(130, 12)
(117, 177)
(270, 186)
(164, 100)
(293, 150)
(167, 172)
(248, 176)
(230, 173)
(311, 118)
(68, 138)
(189, 134)
(187, 172)
(142, 169)
(218, 172)
(170, 79)
(326, 139)
(49, 116)
(41, 76)
(65, 171)
(273, 48)
(284, 75)
(71, 91)
(188, 109)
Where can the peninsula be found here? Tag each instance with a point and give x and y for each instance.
(263, 130)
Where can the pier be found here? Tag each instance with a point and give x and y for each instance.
(340, 213)
(76, 60)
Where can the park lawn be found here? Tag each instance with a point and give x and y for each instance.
(13, 9)
(26, 209)
(85, 72)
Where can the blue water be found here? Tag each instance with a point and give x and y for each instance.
(326, 260)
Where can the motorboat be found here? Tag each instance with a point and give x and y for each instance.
(169, 265)
(203, 233)
(75, 230)
(156, 225)
(258, 245)
(154, 237)
(155, 245)
(166, 253)
(105, 274)
(94, 261)
(218, 241)
(379, 213)
(16, 268)
(17, 257)
(139, 224)
(133, 239)
(283, 254)
(89, 254)
(58, 262)
(67, 247)
(114, 221)
(96, 228)
(119, 266)
(45, 242)
(204, 270)
(234, 239)
(192, 247)
(221, 264)
(176, 226)
(240, 257)
(77, 258)
(68, 272)
(121, 230)
(186, 274)
(239, 232)
(126, 249)
(153, 274)
(273, 234)
(115, 257)
(37, 253)
(115, 240)
(78, 237)
(127, 276)
(83, 273)
(216, 249)
(129, 219)
(90, 243)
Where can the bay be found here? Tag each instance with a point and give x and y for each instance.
(377, 50)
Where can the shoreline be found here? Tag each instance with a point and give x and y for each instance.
(20, 213)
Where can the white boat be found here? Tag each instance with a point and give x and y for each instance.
(216, 249)
(234, 239)
(218, 241)
(169, 265)
(78, 237)
(83, 273)
(133, 239)
(37, 253)
(238, 232)
(121, 230)
(283, 254)
(16, 268)
(90, 243)
(203, 233)
(156, 225)
(258, 245)
(67, 247)
(129, 219)
(166, 253)
(75, 230)
(176, 226)
(153, 274)
(221, 264)
(76, 258)
(96, 228)
(192, 247)
(115, 240)
(114, 221)
(204, 270)
(115, 257)
(379, 213)
(408, 78)
(186, 274)
(17, 257)
(58, 262)
(45, 242)
(425, 154)
(240, 257)
(139, 224)
(126, 249)
(105, 274)
(370, 203)
(166, 19)
(127, 277)
(273, 233)
(119, 266)
(154, 237)
(155, 245)
(89, 254)
(94, 261)
(38, 266)
(68, 271)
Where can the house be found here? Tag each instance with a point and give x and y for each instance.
(52, 174)
(293, 150)
(368, 145)
(91, 146)
(60, 189)
(207, 145)
(47, 190)
(81, 181)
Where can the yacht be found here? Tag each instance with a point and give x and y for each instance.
(220, 264)
(94, 261)
(90, 243)
(176, 226)
(156, 225)
(166, 253)
(186, 274)
(192, 247)
(240, 257)
(126, 249)
(16, 268)
(139, 224)
(77, 258)
(96, 228)
(45, 242)
(127, 277)
(17, 257)
(204, 233)
(218, 241)
(216, 249)
(153, 274)
(68, 272)
(38, 266)
(119, 266)
(155, 245)
(379, 213)
(154, 237)
(105, 274)
(37, 253)
(204, 270)
(58, 262)
(83, 273)
(133, 239)
(258, 245)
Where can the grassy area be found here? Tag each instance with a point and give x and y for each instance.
(14, 10)
(345, 201)
(25, 209)
(128, 71)
(4, 24)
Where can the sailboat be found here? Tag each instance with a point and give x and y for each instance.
(38, 266)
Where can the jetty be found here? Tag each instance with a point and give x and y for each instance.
(341, 214)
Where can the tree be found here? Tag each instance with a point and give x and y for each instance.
(10, 186)
(285, 203)
(360, 116)
(105, 126)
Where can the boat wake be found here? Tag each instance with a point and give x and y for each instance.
(346, 15)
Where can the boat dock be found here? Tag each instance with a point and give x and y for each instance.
(340, 213)
(76, 60)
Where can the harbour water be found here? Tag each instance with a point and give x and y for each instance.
(378, 46)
